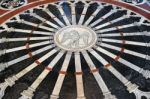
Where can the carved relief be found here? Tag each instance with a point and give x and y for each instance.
(75, 38)
(136, 2)
(12, 4)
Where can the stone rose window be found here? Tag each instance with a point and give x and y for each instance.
(74, 49)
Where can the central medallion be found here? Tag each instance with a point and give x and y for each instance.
(75, 38)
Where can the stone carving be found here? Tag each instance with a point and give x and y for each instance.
(27, 94)
(73, 38)
(8, 82)
(11, 4)
(136, 2)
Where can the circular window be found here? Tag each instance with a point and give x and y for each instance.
(75, 49)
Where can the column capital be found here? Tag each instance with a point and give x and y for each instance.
(8, 82)
(108, 95)
(3, 87)
(3, 66)
(131, 87)
(139, 94)
(27, 94)
(3, 40)
(2, 52)
(11, 80)
(145, 73)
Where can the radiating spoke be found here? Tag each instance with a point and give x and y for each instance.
(102, 18)
(17, 60)
(105, 63)
(54, 17)
(111, 22)
(33, 24)
(98, 78)
(11, 80)
(126, 42)
(116, 28)
(63, 15)
(132, 88)
(73, 11)
(125, 34)
(60, 79)
(93, 15)
(30, 31)
(28, 94)
(125, 62)
(32, 66)
(24, 47)
(83, 15)
(79, 79)
(124, 50)
(37, 25)
(24, 39)
(45, 20)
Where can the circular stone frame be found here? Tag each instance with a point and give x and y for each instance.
(75, 38)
